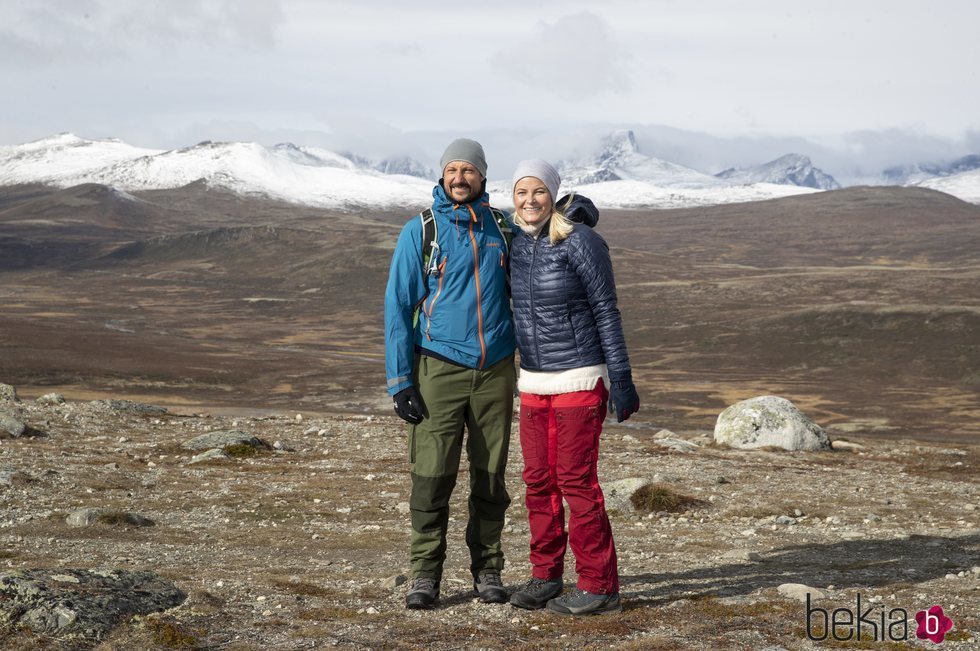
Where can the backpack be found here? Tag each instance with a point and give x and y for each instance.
(430, 235)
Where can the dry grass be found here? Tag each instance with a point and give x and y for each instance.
(170, 634)
(124, 518)
(656, 498)
(305, 588)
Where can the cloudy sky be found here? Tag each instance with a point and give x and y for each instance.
(868, 80)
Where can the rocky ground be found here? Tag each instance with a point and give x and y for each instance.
(298, 540)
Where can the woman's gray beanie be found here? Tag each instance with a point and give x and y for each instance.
(542, 170)
(466, 150)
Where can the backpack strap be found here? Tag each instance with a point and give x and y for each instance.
(503, 225)
(430, 236)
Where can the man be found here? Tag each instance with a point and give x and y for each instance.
(452, 369)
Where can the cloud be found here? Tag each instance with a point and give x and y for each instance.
(575, 56)
(59, 31)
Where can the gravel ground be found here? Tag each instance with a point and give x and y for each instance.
(299, 543)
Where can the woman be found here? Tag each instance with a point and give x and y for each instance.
(572, 348)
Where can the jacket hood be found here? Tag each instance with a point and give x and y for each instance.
(579, 210)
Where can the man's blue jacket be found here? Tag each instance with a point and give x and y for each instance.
(466, 315)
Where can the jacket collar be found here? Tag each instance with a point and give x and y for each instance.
(444, 205)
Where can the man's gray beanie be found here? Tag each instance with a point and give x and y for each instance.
(466, 150)
(541, 170)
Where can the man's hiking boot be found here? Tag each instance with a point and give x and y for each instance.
(423, 593)
(489, 587)
(580, 602)
(536, 593)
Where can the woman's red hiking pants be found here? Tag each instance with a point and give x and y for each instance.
(560, 443)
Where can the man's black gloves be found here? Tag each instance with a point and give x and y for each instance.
(623, 396)
(409, 405)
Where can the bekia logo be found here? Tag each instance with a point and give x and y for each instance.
(933, 624)
(874, 623)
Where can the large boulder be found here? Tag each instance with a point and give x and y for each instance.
(80, 604)
(769, 421)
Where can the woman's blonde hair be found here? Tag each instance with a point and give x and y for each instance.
(559, 228)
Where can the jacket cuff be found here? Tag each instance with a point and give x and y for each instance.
(398, 384)
(620, 376)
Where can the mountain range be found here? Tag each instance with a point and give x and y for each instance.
(618, 174)
(791, 169)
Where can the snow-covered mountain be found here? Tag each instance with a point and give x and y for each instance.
(791, 169)
(396, 165)
(915, 174)
(617, 176)
(304, 175)
(620, 159)
(964, 185)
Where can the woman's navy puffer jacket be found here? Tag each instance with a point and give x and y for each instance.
(564, 295)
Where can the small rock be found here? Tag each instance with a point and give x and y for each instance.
(628, 438)
(221, 439)
(403, 507)
(83, 517)
(664, 434)
(618, 493)
(799, 591)
(8, 393)
(51, 399)
(299, 418)
(371, 610)
(130, 407)
(10, 477)
(88, 516)
(10, 426)
(742, 555)
(282, 447)
(393, 582)
(722, 480)
(679, 603)
(951, 576)
(215, 453)
(847, 446)
(785, 519)
(678, 445)
(969, 507)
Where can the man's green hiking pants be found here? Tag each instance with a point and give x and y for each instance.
(481, 402)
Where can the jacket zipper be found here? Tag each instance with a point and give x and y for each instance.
(530, 293)
(432, 303)
(479, 298)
